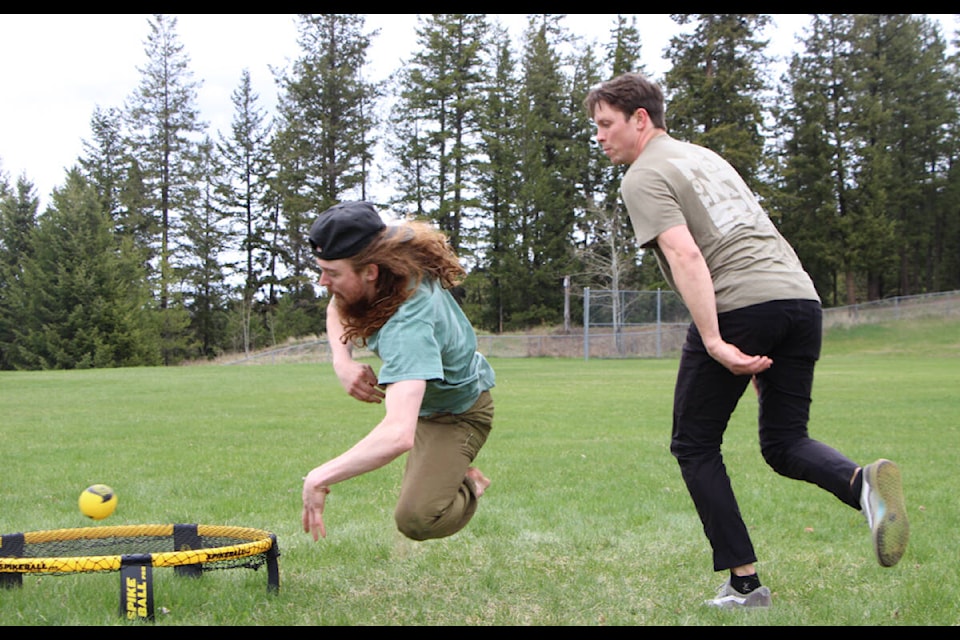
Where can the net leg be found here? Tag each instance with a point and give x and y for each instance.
(136, 587)
(11, 546)
(273, 566)
(186, 538)
(11, 580)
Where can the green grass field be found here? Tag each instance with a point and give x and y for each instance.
(587, 521)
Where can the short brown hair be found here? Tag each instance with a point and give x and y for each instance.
(627, 93)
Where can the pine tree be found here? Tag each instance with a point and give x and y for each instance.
(202, 270)
(246, 196)
(324, 142)
(164, 128)
(488, 286)
(714, 89)
(328, 105)
(948, 277)
(246, 157)
(109, 167)
(18, 220)
(440, 108)
(83, 302)
(164, 125)
(867, 156)
(608, 250)
(547, 201)
(624, 47)
(905, 101)
(103, 161)
(818, 152)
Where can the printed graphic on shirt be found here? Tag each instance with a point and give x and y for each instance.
(722, 192)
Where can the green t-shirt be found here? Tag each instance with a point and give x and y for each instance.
(673, 182)
(429, 338)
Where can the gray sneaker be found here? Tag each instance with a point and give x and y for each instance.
(730, 598)
(881, 501)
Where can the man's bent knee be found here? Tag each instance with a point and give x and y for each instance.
(419, 525)
(414, 525)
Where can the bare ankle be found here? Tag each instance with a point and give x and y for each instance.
(480, 481)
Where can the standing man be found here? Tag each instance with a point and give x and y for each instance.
(755, 314)
(390, 290)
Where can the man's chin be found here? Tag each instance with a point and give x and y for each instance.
(356, 309)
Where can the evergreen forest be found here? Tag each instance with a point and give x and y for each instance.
(168, 243)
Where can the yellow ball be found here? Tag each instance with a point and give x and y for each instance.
(98, 501)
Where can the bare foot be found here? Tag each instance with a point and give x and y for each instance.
(480, 481)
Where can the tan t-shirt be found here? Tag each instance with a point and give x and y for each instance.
(674, 182)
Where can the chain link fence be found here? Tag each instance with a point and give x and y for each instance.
(650, 324)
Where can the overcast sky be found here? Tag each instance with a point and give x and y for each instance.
(56, 68)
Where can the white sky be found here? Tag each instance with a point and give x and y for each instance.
(56, 68)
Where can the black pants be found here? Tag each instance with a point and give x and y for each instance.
(706, 394)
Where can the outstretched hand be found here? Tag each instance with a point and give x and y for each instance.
(314, 500)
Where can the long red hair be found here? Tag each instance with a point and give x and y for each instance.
(405, 254)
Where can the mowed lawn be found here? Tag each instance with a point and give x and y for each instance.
(587, 521)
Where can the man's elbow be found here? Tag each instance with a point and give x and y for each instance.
(401, 438)
(405, 442)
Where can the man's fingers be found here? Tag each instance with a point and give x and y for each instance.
(312, 517)
(313, 524)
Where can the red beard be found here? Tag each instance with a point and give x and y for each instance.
(354, 310)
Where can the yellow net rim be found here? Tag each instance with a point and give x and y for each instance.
(259, 541)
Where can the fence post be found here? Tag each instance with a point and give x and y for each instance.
(586, 323)
(659, 324)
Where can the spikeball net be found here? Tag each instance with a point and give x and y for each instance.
(134, 550)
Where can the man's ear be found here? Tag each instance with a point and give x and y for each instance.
(370, 272)
(641, 114)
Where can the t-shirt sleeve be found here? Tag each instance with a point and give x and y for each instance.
(412, 355)
(651, 203)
